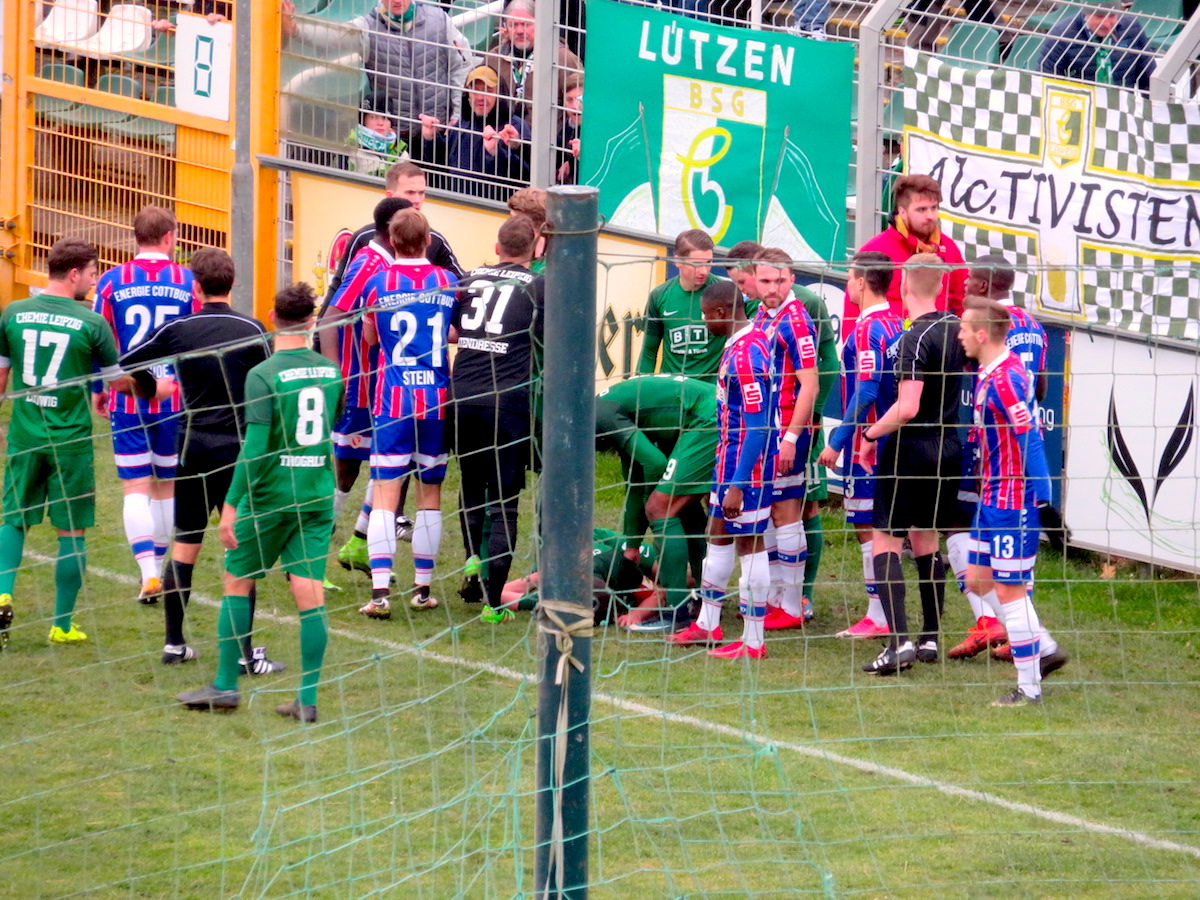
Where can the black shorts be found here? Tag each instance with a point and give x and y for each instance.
(916, 485)
(202, 480)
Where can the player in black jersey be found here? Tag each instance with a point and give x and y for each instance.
(919, 464)
(498, 318)
(212, 350)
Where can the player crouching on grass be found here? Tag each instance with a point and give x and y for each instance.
(1003, 540)
(280, 505)
(741, 500)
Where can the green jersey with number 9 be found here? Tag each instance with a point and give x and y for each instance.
(46, 341)
(292, 401)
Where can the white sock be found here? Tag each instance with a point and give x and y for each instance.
(793, 555)
(381, 546)
(957, 547)
(360, 524)
(752, 589)
(1021, 621)
(427, 537)
(717, 570)
(772, 547)
(339, 502)
(139, 530)
(162, 513)
(992, 605)
(874, 605)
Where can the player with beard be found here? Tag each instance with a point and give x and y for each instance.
(915, 229)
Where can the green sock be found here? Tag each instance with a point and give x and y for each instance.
(695, 523)
(314, 635)
(12, 545)
(233, 623)
(814, 533)
(672, 559)
(68, 578)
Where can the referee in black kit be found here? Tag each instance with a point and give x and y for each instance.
(919, 466)
(212, 350)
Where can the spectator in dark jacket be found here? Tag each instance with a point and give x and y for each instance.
(488, 142)
(566, 145)
(1101, 46)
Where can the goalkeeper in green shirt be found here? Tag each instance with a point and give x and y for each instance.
(280, 505)
(665, 429)
(50, 345)
(673, 319)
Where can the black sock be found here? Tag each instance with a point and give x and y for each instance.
(177, 589)
(500, 549)
(889, 581)
(931, 570)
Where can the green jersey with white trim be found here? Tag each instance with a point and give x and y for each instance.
(292, 401)
(51, 344)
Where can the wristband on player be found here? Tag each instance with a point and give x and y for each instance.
(790, 437)
(867, 438)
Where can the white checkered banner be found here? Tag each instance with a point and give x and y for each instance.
(1093, 192)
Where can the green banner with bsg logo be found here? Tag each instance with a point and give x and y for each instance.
(744, 134)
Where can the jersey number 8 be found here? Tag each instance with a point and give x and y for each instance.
(310, 419)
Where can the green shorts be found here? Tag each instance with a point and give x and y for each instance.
(817, 485)
(37, 479)
(690, 466)
(298, 539)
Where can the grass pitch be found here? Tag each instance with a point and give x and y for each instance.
(793, 775)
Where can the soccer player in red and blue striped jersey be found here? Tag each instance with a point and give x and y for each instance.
(740, 504)
(136, 298)
(359, 361)
(409, 306)
(1004, 538)
(792, 337)
(868, 391)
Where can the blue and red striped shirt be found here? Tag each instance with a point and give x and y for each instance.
(792, 338)
(411, 303)
(136, 298)
(745, 408)
(359, 360)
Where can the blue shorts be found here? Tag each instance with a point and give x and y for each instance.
(859, 497)
(352, 434)
(792, 486)
(401, 446)
(1006, 541)
(756, 510)
(145, 444)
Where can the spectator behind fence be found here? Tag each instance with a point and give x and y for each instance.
(414, 56)
(512, 56)
(166, 12)
(1102, 46)
(924, 26)
(488, 140)
(570, 119)
(376, 146)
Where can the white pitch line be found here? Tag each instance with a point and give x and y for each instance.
(862, 765)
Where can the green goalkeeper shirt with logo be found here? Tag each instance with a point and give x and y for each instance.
(292, 401)
(673, 321)
(51, 344)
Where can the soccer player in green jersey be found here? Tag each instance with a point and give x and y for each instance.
(49, 346)
(829, 367)
(673, 318)
(665, 429)
(280, 505)
(617, 576)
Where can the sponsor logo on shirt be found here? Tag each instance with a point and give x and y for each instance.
(866, 361)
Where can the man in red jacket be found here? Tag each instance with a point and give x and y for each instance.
(914, 230)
